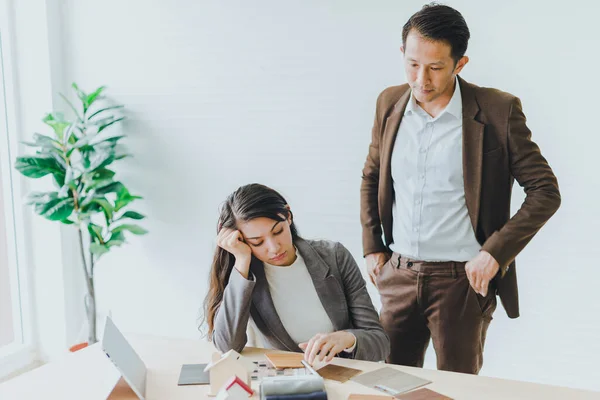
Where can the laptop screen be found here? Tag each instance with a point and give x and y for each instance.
(124, 357)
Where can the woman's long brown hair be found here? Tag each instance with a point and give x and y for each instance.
(245, 204)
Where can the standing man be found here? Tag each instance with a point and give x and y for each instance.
(438, 177)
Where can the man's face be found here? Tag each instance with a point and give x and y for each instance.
(430, 68)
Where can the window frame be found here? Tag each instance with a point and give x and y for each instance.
(22, 352)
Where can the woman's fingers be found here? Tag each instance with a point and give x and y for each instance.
(326, 348)
(337, 349)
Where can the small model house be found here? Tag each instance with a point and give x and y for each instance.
(223, 367)
(235, 389)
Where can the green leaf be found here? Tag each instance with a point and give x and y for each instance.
(88, 206)
(135, 229)
(104, 109)
(43, 141)
(82, 96)
(64, 191)
(107, 208)
(68, 135)
(93, 96)
(95, 232)
(132, 215)
(59, 159)
(56, 209)
(67, 222)
(59, 179)
(57, 122)
(37, 167)
(102, 121)
(114, 187)
(41, 197)
(103, 127)
(95, 139)
(100, 158)
(116, 239)
(72, 140)
(85, 159)
(98, 249)
(98, 183)
(121, 155)
(104, 173)
(111, 140)
(69, 175)
(122, 201)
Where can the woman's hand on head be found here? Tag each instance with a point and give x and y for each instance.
(233, 242)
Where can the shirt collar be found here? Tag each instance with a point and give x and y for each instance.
(454, 106)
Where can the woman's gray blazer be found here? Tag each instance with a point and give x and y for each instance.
(339, 285)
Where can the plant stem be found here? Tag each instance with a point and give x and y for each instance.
(90, 298)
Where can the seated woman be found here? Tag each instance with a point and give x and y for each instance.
(302, 295)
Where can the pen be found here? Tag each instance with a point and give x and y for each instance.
(309, 368)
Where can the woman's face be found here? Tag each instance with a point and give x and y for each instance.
(270, 240)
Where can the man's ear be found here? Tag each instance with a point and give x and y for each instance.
(461, 64)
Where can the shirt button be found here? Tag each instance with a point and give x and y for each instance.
(417, 202)
(422, 176)
(423, 150)
(415, 229)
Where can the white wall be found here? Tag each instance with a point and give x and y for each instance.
(221, 94)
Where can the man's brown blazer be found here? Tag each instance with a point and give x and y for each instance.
(497, 149)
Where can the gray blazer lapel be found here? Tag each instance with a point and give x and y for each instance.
(263, 304)
(327, 286)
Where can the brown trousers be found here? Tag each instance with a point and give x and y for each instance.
(423, 300)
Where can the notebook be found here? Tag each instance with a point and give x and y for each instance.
(390, 381)
(193, 374)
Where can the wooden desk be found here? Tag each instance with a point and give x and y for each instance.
(88, 374)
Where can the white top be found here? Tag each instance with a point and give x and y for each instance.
(296, 300)
(430, 217)
(297, 304)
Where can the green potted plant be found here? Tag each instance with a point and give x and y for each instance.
(79, 155)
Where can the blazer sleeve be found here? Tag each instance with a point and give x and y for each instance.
(369, 189)
(372, 343)
(532, 172)
(231, 320)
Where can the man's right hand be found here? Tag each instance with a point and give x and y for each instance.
(374, 263)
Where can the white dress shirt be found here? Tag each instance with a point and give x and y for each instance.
(430, 217)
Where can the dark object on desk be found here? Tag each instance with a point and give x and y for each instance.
(390, 381)
(337, 372)
(193, 374)
(321, 395)
(423, 394)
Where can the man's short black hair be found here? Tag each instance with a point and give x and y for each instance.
(440, 23)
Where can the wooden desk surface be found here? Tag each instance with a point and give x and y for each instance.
(88, 374)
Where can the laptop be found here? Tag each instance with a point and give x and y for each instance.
(124, 358)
